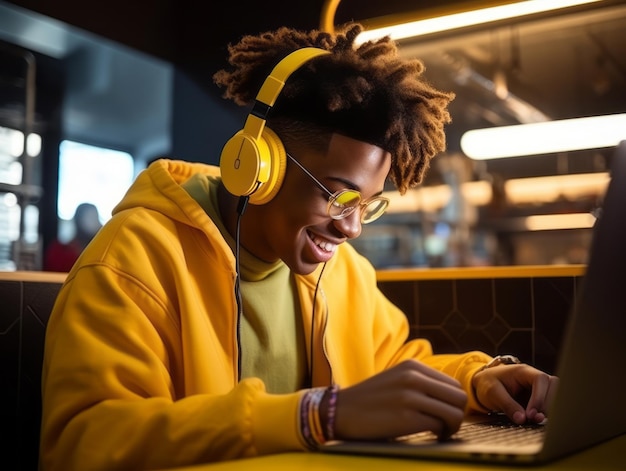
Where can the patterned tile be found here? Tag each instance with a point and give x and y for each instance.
(404, 295)
(475, 300)
(553, 301)
(11, 299)
(435, 300)
(522, 316)
(23, 318)
(513, 301)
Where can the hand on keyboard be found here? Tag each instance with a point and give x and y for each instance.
(520, 391)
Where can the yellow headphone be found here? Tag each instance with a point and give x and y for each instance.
(253, 161)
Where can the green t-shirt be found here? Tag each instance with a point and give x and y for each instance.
(271, 331)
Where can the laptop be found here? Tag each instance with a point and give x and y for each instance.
(589, 406)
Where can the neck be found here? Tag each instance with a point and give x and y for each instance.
(227, 205)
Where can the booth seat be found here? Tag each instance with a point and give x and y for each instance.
(518, 310)
(26, 300)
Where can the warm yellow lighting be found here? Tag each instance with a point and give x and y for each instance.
(537, 190)
(327, 18)
(467, 18)
(549, 222)
(427, 199)
(541, 190)
(432, 198)
(545, 137)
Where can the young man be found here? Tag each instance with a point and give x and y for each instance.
(216, 317)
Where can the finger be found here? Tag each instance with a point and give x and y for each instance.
(437, 398)
(543, 387)
(506, 403)
(433, 386)
(539, 388)
(442, 418)
(430, 372)
(447, 393)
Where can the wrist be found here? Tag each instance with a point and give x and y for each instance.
(317, 415)
(328, 412)
(331, 411)
(501, 360)
(494, 362)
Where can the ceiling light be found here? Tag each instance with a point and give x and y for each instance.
(551, 222)
(467, 18)
(547, 137)
(544, 190)
(519, 191)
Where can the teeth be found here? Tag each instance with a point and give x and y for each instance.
(323, 244)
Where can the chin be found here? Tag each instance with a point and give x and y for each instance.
(302, 268)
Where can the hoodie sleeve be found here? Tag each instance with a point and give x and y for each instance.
(372, 334)
(119, 393)
(460, 366)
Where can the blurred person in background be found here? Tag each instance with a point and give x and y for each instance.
(61, 256)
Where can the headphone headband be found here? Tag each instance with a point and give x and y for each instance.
(253, 161)
(273, 85)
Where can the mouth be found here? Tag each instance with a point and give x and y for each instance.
(323, 244)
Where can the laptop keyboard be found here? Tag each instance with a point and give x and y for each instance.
(501, 433)
(496, 432)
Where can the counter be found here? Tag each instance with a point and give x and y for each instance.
(520, 310)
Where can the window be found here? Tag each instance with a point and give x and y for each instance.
(11, 213)
(90, 174)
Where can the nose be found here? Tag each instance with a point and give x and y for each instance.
(350, 226)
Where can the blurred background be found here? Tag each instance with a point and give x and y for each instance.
(91, 93)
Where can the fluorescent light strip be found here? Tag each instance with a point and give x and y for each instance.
(541, 190)
(544, 138)
(519, 191)
(551, 222)
(468, 18)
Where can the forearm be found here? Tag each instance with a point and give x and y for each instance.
(155, 433)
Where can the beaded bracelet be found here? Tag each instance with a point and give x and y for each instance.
(332, 411)
(314, 415)
(310, 422)
(310, 427)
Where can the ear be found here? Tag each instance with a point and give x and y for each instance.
(253, 161)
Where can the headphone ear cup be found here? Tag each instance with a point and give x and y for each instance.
(240, 164)
(276, 160)
(253, 167)
(253, 161)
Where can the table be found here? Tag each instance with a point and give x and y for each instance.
(605, 456)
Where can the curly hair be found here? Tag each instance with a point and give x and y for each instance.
(366, 92)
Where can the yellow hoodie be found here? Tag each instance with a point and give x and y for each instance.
(140, 362)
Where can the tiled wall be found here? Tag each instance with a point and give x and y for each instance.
(522, 316)
(24, 310)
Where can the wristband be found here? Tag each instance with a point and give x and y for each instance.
(331, 412)
(501, 360)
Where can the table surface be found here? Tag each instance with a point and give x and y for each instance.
(606, 456)
(464, 273)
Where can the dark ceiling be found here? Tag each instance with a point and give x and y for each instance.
(194, 35)
(556, 66)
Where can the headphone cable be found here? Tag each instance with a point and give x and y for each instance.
(317, 285)
(241, 208)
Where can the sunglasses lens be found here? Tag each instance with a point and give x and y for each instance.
(374, 210)
(343, 203)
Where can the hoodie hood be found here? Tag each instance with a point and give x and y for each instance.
(158, 188)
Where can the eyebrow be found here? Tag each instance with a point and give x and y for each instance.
(352, 186)
(345, 182)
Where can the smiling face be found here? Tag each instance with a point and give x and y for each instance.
(294, 226)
